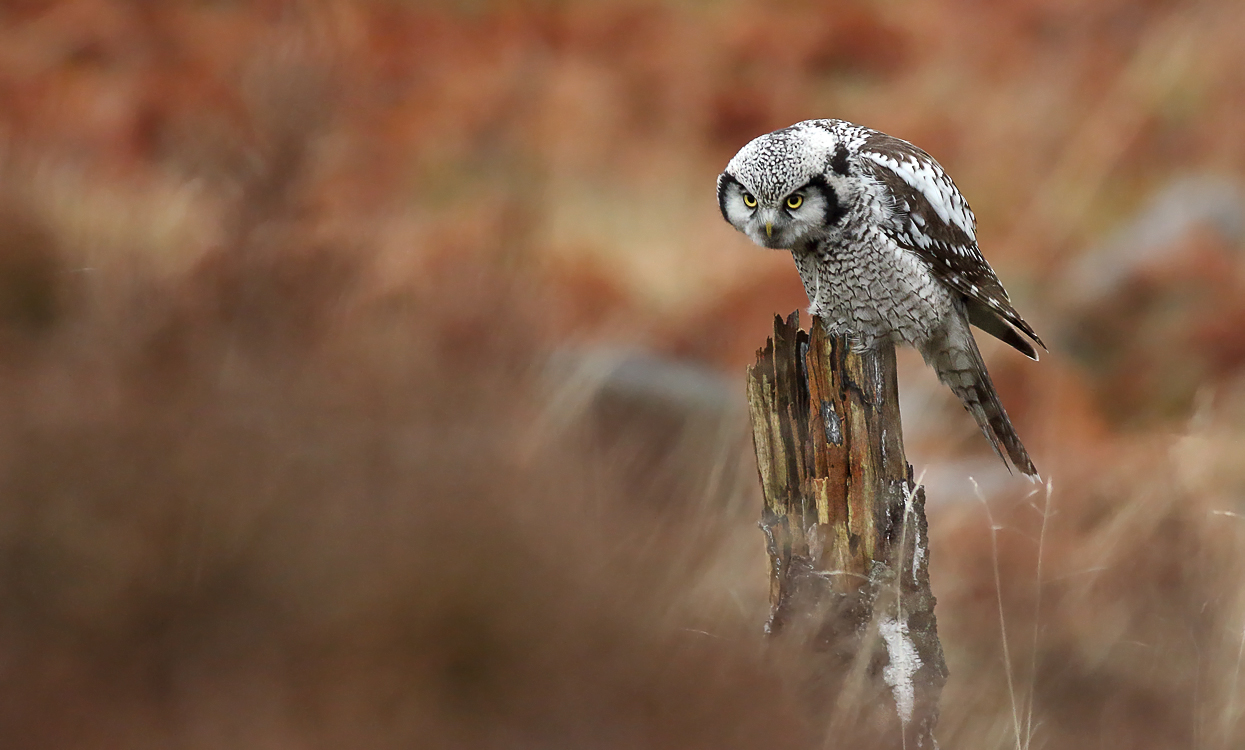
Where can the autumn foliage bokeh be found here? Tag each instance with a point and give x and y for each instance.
(371, 373)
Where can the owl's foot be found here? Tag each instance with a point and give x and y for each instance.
(858, 343)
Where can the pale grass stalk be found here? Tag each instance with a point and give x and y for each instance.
(1037, 620)
(1232, 713)
(998, 590)
(909, 493)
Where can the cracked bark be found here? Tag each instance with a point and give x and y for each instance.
(846, 535)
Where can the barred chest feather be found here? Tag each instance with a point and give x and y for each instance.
(871, 288)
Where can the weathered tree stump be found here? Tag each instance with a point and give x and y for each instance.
(846, 534)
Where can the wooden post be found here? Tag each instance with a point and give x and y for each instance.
(845, 530)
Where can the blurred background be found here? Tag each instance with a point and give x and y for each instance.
(371, 373)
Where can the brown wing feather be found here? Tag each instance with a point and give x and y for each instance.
(950, 252)
(992, 323)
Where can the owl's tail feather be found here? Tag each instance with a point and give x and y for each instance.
(960, 366)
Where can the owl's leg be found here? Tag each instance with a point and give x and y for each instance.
(857, 342)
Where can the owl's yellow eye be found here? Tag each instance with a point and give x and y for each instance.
(795, 202)
(749, 201)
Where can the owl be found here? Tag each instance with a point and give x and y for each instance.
(886, 247)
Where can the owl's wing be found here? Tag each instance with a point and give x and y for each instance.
(932, 219)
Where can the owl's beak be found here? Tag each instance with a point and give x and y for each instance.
(769, 229)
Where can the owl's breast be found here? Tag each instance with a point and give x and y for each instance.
(874, 288)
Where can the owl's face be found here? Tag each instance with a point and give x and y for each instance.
(780, 189)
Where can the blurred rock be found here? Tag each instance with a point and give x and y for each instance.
(1156, 313)
(671, 429)
(1155, 232)
(637, 379)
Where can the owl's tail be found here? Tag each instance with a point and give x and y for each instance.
(958, 362)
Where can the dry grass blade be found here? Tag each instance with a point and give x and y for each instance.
(998, 590)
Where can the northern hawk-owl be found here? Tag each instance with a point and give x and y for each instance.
(887, 249)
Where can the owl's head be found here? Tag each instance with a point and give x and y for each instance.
(786, 189)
